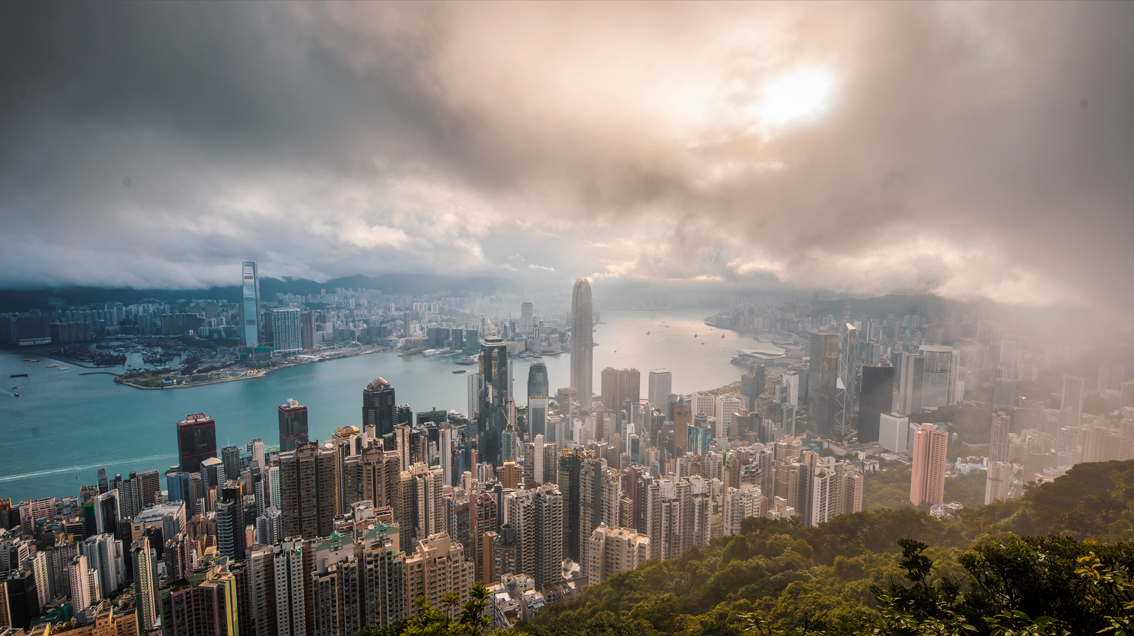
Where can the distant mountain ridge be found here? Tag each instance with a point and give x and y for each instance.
(396, 283)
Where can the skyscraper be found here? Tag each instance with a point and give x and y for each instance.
(307, 330)
(822, 379)
(998, 448)
(492, 398)
(1073, 397)
(910, 384)
(196, 441)
(538, 399)
(582, 343)
(877, 398)
(660, 386)
(939, 380)
(308, 490)
(250, 306)
(379, 408)
(288, 331)
(527, 318)
(846, 391)
(927, 483)
(618, 386)
(293, 424)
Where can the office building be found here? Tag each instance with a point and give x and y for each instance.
(659, 389)
(1003, 393)
(910, 384)
(846, 385)
(582, 343)
(822, 381)
(927, 483)
(196, 441)
(939, 378)
(877, 398)
(250, 306)
(492, 398)
(752, 384)
(287, 330)
(379, 410)
(527, 318)
(538, 399)
(998, 448)
(293, 424)
(893, 432)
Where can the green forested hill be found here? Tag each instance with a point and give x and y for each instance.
(852, 576)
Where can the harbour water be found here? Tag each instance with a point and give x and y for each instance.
(66, 426)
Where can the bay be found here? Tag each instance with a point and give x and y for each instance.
(65, 426)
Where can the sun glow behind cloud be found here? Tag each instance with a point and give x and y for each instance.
(796, 98)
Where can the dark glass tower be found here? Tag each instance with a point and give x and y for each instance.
(877, 398)
(196, 441)
(379, 408)
(293, 425)
(492, 397)
(538, 398)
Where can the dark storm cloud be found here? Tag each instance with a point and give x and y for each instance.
(955, 154)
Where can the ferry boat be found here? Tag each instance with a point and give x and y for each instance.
(432, 352)
(473, 359)
(459, 371)
(18, 375)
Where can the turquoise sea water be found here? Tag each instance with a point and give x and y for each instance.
(64, 427)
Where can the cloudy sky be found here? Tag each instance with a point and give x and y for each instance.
(972, 150)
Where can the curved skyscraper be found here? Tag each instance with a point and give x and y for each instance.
(582, 342)
(537, 399)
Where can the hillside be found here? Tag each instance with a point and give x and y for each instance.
(777, 575)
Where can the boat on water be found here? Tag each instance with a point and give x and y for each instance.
(18, 375)
(473, 359)
(459, 371)
(647, 333)
(64, 368)
(52, 366)
(722, 335)
(694, 335)
(16, 394)
(30, 360)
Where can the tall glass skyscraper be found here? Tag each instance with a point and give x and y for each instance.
(537, 399)
(582, 343)
(250, 306)
(492, 397)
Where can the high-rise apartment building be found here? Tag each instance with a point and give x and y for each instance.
(293, 425)
(538, 399)
(308, 490)
(379, 409)
(614, 550)
(877, 398)
(287, 330)
(307, 330)
(998, 448)
(196, 441)
(582, 343)
(527, 318)
(537, 519)
(998, 484)
(927, 483)
(1003, 393)
(437, 568)
(250, 306)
